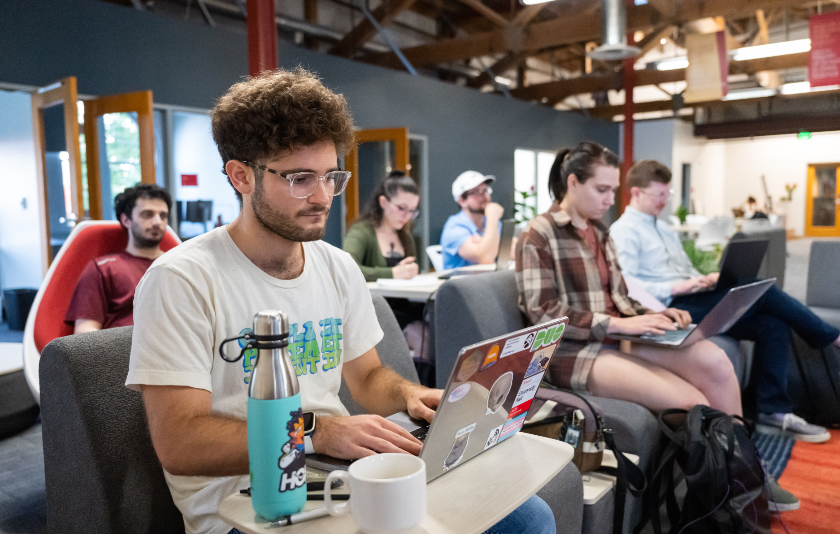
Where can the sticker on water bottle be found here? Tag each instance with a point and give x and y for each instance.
(292, 461)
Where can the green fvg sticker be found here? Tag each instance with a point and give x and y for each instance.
(547, 336)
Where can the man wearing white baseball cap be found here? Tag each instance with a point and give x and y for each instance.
(472, 235)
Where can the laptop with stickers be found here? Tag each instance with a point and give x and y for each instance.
(487, 396)
(485, 400)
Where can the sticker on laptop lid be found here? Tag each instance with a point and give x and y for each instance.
(512, 427)
(491, 358)
(539, 362)
(525, 395)
(469, 366)
(493, 438)
(518, 344)
(459, 392)
(499, 392)
(547, 336)
(462, 438)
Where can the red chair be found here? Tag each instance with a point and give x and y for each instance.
(88, 240)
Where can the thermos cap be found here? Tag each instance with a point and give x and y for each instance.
(271, 323)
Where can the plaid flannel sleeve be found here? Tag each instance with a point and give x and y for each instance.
(540, 297)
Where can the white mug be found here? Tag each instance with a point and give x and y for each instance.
(387, 492)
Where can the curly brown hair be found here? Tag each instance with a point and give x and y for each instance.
(277, 111)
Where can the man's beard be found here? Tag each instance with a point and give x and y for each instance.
(141, 241)
(284, 225)
(475, 211)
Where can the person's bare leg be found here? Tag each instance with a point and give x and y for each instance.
(703, 365)
(618, 375)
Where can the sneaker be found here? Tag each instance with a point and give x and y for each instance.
(792, 426)
(780, 499)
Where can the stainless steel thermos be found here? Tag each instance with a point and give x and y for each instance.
(275, 423)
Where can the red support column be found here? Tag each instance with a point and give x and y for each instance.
(629, 108)
(262, 36)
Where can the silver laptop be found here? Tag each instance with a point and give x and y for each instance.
(503, 258)
(726, 313)
(739, 264)
(485, 400)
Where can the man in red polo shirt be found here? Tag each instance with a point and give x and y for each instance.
(104, 295)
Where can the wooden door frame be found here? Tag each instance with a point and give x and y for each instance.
(140, 103)
(821, 231)
(64, 93)
(351, 163)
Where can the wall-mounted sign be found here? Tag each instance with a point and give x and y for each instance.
(189, 179)
(824, 58)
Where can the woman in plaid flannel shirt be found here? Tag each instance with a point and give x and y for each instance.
(566, 264)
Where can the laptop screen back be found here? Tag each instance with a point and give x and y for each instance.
(488, 395)
(506, 238)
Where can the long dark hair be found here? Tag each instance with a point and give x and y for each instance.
(391, 186)
(579, 161)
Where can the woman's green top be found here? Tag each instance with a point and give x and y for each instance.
(361, 243)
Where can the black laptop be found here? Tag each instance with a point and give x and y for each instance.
(739, 265)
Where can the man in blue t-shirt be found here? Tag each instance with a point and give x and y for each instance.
(472, 235)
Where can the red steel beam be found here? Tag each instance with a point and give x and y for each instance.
(262, 36)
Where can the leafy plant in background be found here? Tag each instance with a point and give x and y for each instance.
(681, 213)
(705, 261)
(523, 211)
(789, 188)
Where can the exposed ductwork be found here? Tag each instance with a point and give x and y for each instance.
(614, 46)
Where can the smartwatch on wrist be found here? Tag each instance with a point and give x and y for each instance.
(308, 431)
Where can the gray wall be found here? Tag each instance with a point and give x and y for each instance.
(113, 49)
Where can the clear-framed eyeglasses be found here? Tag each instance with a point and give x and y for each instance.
(303, 184)
(480, 192)
(405, 210)
(665, 195)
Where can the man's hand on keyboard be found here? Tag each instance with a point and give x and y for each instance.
(354, 437)
(651, 323)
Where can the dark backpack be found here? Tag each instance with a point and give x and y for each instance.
(814, 382)
(710, 459)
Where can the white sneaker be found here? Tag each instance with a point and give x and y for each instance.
(792, 426)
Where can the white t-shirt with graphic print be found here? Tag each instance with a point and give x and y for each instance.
(205, 291)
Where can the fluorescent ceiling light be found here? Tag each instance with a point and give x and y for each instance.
(804, 87)
(680, 62)
(504, 81)
(532, 2)
(795, 88)
(758, 92)
(770, 50)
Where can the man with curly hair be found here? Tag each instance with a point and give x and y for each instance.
(104, 294)
(279, 135)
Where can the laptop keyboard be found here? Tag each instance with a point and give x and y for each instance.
(420, 433)
(670, 336)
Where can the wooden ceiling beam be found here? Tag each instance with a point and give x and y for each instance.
(488, 13)
(562, 89)
(522, 19)
(568, 30)
(364, 31)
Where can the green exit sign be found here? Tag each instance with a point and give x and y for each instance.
(804, 135)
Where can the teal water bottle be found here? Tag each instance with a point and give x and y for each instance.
(275, 423)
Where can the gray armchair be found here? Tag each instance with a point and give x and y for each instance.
(823, 293)
(469, 309)
(102, 474)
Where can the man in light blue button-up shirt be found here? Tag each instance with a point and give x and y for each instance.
(650, 252)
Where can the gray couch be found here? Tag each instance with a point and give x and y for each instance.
(823, 293)
(470, 309)
(102, 473)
